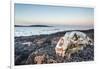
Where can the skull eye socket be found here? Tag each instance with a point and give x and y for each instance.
(89, 41)
(61, 42)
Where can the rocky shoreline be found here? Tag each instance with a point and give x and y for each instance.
(28, 49)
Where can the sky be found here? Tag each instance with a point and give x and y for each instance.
(30, 14)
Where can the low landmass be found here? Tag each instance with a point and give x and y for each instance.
(32, 26)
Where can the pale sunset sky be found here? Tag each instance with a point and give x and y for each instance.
(30, 14)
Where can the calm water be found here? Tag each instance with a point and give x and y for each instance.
(28, 31)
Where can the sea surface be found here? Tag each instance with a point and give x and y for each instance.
(29, 31)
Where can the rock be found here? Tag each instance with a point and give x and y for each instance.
(42, 50)
(37, 58)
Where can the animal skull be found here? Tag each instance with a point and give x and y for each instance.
(72, 42)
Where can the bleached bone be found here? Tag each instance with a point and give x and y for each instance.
(72, 42)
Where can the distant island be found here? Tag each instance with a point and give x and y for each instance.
(32, 26)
